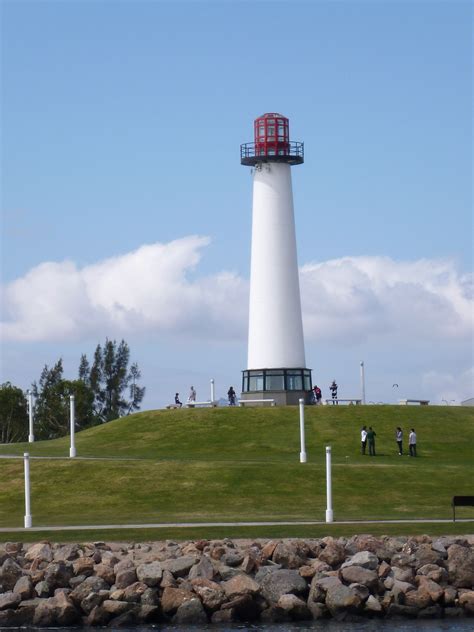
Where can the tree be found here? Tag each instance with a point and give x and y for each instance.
(13, 414)
(51, 407)
(109, 378)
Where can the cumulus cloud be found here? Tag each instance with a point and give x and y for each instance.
(157, 288)
(355, 298)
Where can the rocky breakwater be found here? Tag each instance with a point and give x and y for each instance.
(235, 580)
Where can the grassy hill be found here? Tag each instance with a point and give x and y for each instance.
(237, 464)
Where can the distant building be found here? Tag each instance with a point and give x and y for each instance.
(468, 402)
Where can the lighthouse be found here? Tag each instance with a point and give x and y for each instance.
(276, 364)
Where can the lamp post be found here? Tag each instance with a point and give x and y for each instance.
(213, 392)
(302, 439)
(329, 512)
(362, 381)
(31, 437)
(72, 415)
(26, 461)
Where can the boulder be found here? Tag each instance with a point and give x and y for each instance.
(373, 605)
(461, 566)
(203, 568)
(295, 607)
(83, 566)
(210, 593)
(431, 612)
(240, 585)
(41, 551)
(399, 610)
(56, 611)
(361, 590)
(9, 599)
(172, 599)
(319, 587)
(24, 587)
(180, 566)
(146, 613)
(115, 608)
(288, 554)
(433, 571)
(106, 572)
(150, 597)
(66, 553)
(433, 589)
(449, 596)
(150, 573)
(365, 559)
(417, 599)
(342, 599)
(10, 573)
(92, 600)
(282, 582)
(333, 554)
(43, 589)
(134, 592)
(90, 584)
(466, 601)
(190, 612)
(58, 574)
(243, 608)
(97, 617)
(405, 574)
(360, 575)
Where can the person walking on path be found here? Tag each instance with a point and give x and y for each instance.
(399, 438)
(412, 442)
(363, 439)
(371, 440)
(176, 400)
(333, 389)
(231, 396)
(192, 395)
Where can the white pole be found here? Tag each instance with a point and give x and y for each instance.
(31, 437)
(302, 442)
(362, 381)
(26, 460)
(213, 393)
(72, 449)
(329, 512)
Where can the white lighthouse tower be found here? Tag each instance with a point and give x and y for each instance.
(276, 366)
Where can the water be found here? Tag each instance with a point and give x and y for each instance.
(374, 625)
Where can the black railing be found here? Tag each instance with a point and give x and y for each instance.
(291, 152)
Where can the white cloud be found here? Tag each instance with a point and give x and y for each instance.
(450, 389)
(152, 290)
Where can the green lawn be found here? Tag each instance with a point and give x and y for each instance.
(243, 464)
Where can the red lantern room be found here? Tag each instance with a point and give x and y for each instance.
(272, 142)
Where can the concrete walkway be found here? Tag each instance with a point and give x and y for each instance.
(191, 525)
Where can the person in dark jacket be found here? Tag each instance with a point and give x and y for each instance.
(371, 440)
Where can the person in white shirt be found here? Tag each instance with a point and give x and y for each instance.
(192, 395)
(412, 442)
(363, 439)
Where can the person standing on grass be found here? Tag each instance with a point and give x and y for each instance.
(412, 442)
(192, 395)
(176, 400)
(363, 439)
(399, 438)
(371, 440)
(231, 396)
(333, 389)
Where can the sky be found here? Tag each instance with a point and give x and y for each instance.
(125, 212)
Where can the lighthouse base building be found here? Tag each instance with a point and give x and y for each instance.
(276, 367)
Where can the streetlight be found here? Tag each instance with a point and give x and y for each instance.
(362, 381)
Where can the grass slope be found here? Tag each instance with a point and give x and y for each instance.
(243, 464)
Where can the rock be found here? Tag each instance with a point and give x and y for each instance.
(57, 610)
(424, 554)
(168, 581)
(146, 613)
(232, 558)
(398, 610)
(434, 572)
(282, 582)
(373, 605)
(150, 597)
(319, 587)
(13, 548)
(116, 608)
(451, 613)
(360, 575)
(125, 577)
(264, 570)
(210, 593)
(222, 616)
(41, 551)
(90, 584)
(150, 573)
(243, 608)
(10, 573)
(466, 601)
(449, 596)
(126, 620)
(295, 607)
(308, 572)
(58, 574)
(24, 587)
(105, 572)
(403, 574)
(172, 599)
(43, 589)
(383, 570)
(274, 614)
(433, 589)
(180, 566)
(383, 549)
(333, 554)
(417, 598)
(240, 585)
(401, 588)
(203, 568)
(83, 566)
(267, 551)
(318, 610)
(9, 600)
(92, 600)
(461, 566)
(342, 599)
(134, 592)
(403, 560)
(288, 555)
(98, 617)
(66, 553)
(365, 559)
(190, 612)
(440, 548)
(249, 563)
(360, 590)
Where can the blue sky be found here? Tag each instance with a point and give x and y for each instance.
(121, 125)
